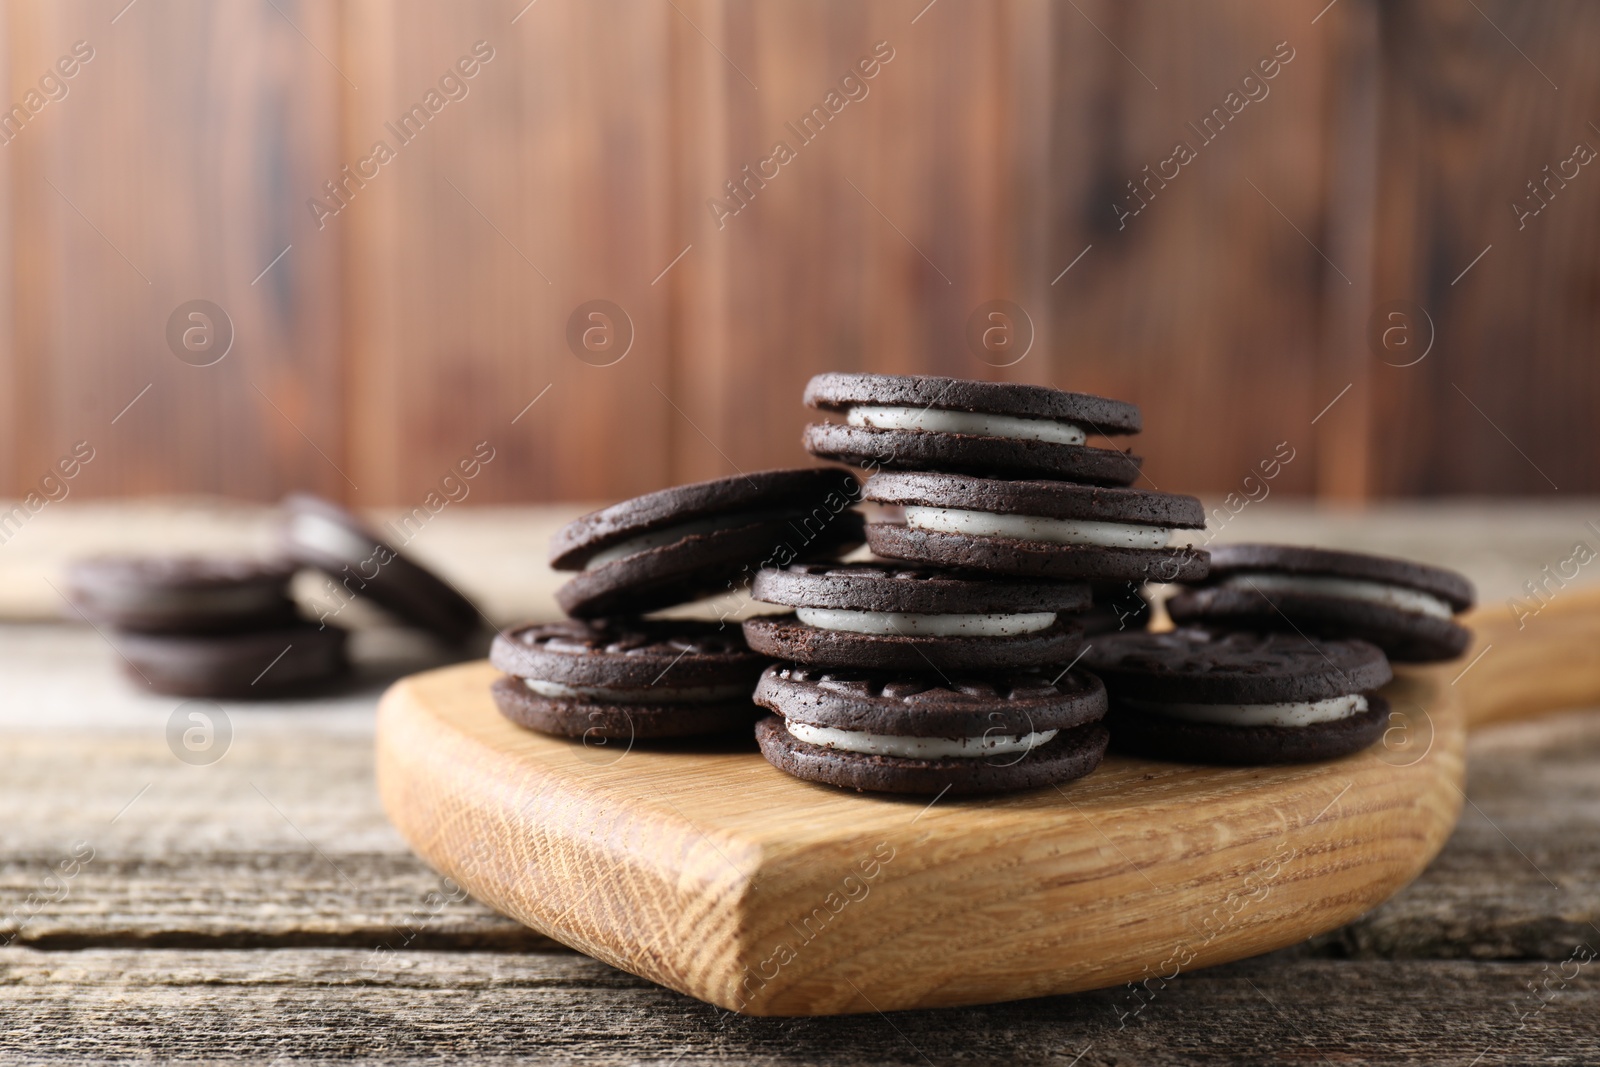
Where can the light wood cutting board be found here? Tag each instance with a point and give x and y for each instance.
(712, 873)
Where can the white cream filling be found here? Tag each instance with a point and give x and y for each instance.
(669, 535)
(908, 624)
(1017, 427)
(1302, 713)
(329, 537)
(612, 694)
(916, 747)
(1037, 528)
(1390, 596)
(221, 598)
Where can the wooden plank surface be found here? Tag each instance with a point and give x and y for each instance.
(980, 164)
(174, 169)
(234, 870)
(1460, 146)
(544, 187)
(323, 1005)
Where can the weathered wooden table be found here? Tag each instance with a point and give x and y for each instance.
(260, 907)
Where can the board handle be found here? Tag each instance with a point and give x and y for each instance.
(1538, 659)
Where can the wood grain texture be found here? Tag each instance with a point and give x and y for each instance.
(1502, 402)
(174, 169)
(325, 1006)
(986, 158)
(546, 186)
(677, 867)
(674, 865)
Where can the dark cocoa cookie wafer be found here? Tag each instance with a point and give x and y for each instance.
(253, 665)
(1163, 737)
(697, 540)
(624, 679)
(1241, 698)
(896, 617)
(1036, 529)
(183, 594)
(923, 422)
(894, 733)
(1117, 607)
(323, 535)
(1402, 607)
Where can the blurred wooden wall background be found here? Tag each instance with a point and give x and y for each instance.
(375, 347)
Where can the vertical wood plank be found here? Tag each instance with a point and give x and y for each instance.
(867, 249)
(1477, 104)
(546, 186)
(173, 170)
(1203, 306)
(11, 476)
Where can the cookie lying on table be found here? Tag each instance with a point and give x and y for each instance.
(182, 593)
(1241, 698)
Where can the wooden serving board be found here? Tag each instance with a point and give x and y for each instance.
(710, 872)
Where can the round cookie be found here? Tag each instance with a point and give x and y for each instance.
(697, 540)
(320, 534)
(890, 733)
(922, 422)
(1036, 529)
(182, 594)
(623, 679)
(1402, 607)
(896, 617)
(1241, 698)
(257, 664)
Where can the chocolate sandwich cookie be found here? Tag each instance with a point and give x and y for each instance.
(697, 540)
(320, 534)
(1116, 607)
(1036, 529)
(182, 594)
(253, 665)
(897, 617)
(892, 733)
(1404, 608)
(927, 423)
(1241, 698)
(612, 678)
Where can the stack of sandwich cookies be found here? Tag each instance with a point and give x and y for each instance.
(1035, 528)
(1115, 607)
(921, 422)
(691, 541)
(896, 617)
(881, 732)
(1241, 698)
(1404, 608)
(620, 679)
(206, 626)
